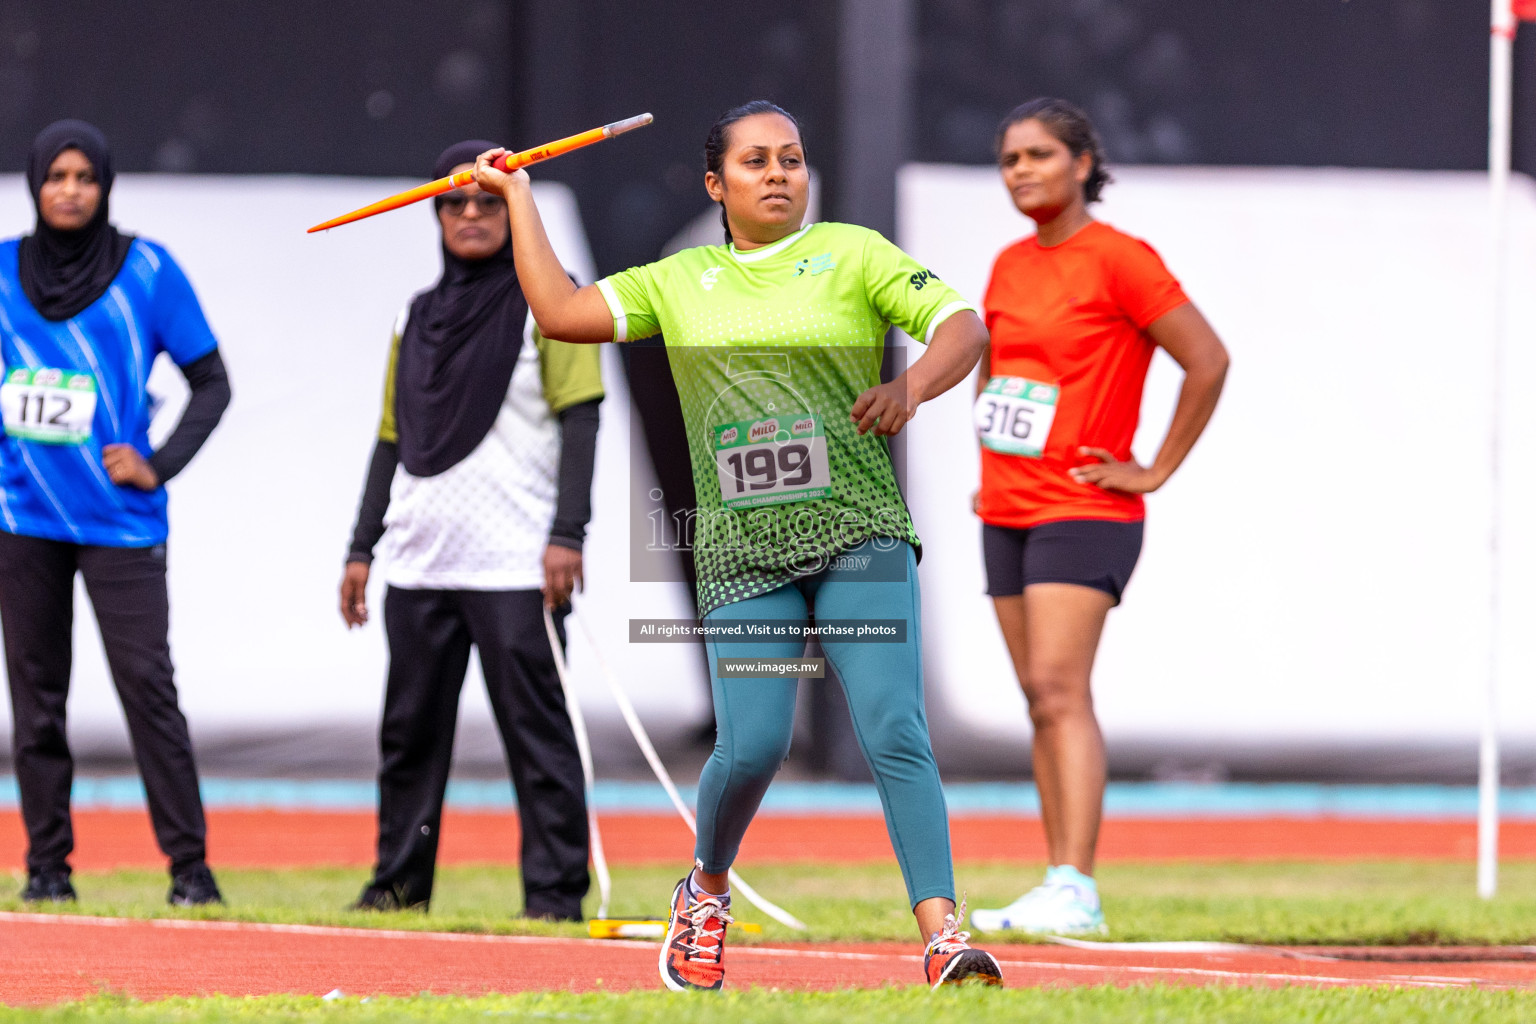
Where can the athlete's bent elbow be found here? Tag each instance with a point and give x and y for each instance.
(1217, 363)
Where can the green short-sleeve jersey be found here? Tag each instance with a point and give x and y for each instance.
(770, 348)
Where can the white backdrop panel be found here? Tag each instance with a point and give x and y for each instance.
(1319, 568)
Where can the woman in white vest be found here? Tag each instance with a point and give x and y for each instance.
(480, 488)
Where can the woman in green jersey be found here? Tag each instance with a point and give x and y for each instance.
(775, 340)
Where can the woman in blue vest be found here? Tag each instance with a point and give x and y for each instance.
(84, 311)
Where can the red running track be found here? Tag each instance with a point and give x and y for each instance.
(119, 839)
(53, 958)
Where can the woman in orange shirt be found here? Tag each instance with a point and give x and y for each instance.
(1075, 312)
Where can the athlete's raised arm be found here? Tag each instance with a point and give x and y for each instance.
(563, 311)
(957, 344)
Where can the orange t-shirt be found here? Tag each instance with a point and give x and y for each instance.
(1073, 315)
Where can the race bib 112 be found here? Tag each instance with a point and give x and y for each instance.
(48, 405)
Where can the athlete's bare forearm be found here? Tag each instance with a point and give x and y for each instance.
(1197, 401)
(1189, 339)
(956, 346)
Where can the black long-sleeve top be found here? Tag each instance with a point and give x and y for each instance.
(209, 382)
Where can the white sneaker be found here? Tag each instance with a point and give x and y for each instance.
(1067, 904)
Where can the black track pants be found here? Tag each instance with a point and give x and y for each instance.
(127, 590)
(430, 634)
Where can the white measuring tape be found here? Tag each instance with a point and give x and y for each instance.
(643, 740)
(584, 751)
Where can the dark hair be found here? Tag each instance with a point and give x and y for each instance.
(719, 140)
(1071, 127)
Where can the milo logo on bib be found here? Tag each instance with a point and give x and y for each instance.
(763, 430)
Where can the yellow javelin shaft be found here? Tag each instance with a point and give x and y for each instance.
(507, 161)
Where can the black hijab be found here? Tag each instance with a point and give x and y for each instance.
(62, 272)
(460, 346)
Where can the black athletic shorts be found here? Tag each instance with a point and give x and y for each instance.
(1093, 553)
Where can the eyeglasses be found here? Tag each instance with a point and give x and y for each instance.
(485, 202)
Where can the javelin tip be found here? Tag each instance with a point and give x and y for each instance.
(628, 124)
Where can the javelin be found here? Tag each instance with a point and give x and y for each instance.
(505, 162)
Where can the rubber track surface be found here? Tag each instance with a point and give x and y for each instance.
(53, 958)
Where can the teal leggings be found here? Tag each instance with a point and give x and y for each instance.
(884, 685)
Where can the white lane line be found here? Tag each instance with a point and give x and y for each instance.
(1156, 947)
(1050, 965)
(1206, 972)
(1244, 948)
(331, 931)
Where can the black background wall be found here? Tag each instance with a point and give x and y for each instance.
(379, 87)
(1352, 83)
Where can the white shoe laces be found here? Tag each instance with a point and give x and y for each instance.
(698, 914)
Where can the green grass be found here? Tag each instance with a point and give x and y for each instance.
(1102, 1005)
(1375, 903)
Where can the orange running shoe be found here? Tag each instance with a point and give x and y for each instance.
(950, 960)
(693, 952)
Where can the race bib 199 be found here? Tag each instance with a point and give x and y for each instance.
(52, 406)
(773, 460)
(1014, 415)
